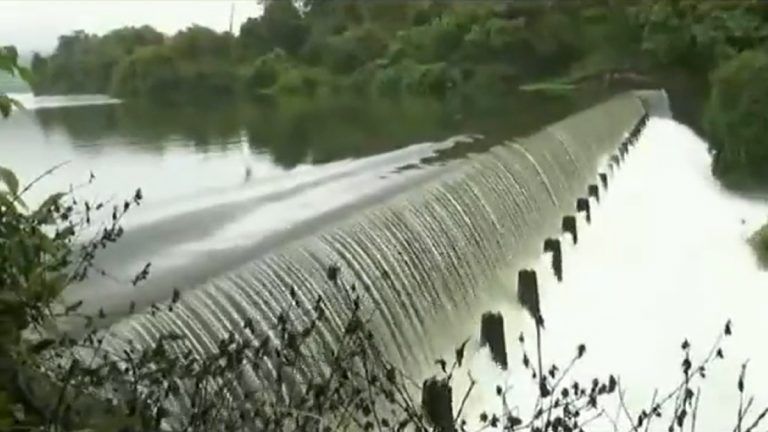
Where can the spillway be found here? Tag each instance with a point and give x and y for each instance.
(424, 261)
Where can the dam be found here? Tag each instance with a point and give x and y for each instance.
(424, 260)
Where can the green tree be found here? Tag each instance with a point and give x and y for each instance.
(84, 63)
(284, 26)
(195, 63)
(9, 65)
(736, 115)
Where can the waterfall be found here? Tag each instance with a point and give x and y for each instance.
(425, 258)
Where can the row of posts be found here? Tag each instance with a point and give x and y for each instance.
(437, 393)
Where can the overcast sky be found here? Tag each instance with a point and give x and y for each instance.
(34, 25)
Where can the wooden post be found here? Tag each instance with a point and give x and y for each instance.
(582, 205)
(593, 191)
(437, 403)
(553, 245)
(569, 226)
(528, 294)
(615, 160)
(604, 179)
(492, 334)
(623, 151)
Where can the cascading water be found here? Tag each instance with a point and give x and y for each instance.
(428, 258)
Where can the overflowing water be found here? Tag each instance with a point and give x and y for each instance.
(425, 259)
(666, 258)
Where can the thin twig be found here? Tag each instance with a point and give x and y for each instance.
(45, 174)
(472, 383)
(651, 410)
(624, 408)
(757, 420)
(695, 410)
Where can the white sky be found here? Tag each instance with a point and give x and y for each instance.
(34, 25)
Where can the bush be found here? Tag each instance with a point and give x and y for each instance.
(437, 41)
(84, 63)
(495, 39)
(264, 72)
(349, 51)
(151, 72)
(298, 79)
(435, 79)
(735, 118)
(157, 73)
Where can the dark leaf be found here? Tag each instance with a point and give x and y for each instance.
(460, 352)
(544, 390)
(513, 422)
(689, 395)
(9, 178)
(740, 384)
(73, 307)
(442, 363)
(681, 417)
(686, 365)
(42, 345)
(581, 350)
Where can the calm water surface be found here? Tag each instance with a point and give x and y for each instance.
(225, 183)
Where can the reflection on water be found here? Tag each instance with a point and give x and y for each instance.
(295, 131)
(226, 183)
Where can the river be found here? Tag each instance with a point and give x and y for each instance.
(665, 257)
(227, 182)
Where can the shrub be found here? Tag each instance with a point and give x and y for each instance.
(435, 79)
(264, 72)
(150, 72)
(437, 41)
(157, 73)
(298, 79)
(494, 39)
(351, 50)
(735, 118)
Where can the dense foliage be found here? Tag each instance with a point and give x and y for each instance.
(423, 47)
(437, 48)
(736, 118)
(426, 46)
(10, 71)
(85, 63)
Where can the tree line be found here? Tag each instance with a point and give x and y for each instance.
(443, 48)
